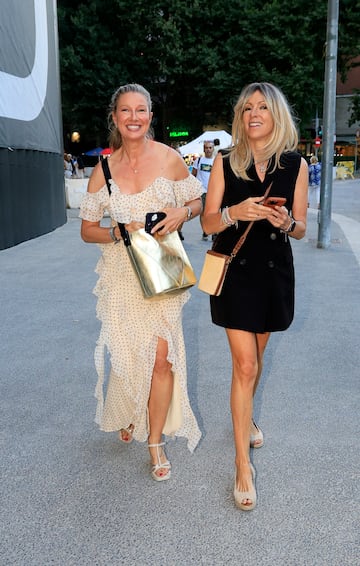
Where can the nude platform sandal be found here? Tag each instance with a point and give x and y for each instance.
(240, 496)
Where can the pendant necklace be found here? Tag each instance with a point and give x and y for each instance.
(262, 166)
(131, 167)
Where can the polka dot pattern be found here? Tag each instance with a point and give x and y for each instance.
(131, 325)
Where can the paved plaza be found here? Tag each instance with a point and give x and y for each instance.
(74, 496)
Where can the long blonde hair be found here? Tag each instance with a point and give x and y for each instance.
(284, 136)
(115, 140)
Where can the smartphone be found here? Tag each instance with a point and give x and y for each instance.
(152, 218)
(274, 201)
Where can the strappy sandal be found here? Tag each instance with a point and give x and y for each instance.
(257, 439)
(126, 434)
(242, 496)
(166, 466)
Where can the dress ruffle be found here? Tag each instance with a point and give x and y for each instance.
(131, 325)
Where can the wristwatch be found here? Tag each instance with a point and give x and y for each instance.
(189, 213)
(292, 226)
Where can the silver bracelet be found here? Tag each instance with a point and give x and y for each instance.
(112, 235)
(286, 230)
(188, 213)
(226, 218)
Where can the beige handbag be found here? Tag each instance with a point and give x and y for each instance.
(215, 266)
(160, 262)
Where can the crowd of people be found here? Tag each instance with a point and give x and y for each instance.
(73, 167)
(146, 396)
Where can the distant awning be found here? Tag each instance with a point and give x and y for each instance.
(95, 152)
(197, 145)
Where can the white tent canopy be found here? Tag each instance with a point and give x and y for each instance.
(197, 145)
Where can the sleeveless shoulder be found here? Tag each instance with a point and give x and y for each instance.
(290, 159)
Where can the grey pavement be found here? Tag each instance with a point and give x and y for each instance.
(72, 495)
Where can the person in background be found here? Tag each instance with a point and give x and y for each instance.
(147, 393)
(181, 235)
(68, 169)
(216, 147)
(314, 181)
(73, 165)
(80, 168)
(202, 169)
(258, 293)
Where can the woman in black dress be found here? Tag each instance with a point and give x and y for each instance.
(258, 293)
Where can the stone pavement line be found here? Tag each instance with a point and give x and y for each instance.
(351, 229)
(68, 488)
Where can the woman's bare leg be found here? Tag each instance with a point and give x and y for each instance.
(243, 347)
(159, 401)
(261, 340)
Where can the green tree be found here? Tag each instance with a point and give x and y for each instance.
(354, 108)
(195, 56)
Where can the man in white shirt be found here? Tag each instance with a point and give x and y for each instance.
(202, 168)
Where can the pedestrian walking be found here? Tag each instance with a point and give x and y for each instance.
(202, 169)
(147, 395)
(314, 181)
(258, 294)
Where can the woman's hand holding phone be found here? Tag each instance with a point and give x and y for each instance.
(153, 218)
(272, 202)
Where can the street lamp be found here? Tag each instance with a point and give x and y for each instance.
(75, 137)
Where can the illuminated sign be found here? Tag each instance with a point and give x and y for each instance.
(178, 134)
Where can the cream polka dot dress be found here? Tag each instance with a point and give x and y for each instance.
(131, 325)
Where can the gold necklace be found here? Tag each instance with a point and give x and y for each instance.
(132, 168)
(129, 163)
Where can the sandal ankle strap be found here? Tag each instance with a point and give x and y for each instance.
(155, 445)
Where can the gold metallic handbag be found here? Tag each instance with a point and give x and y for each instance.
(160, 262)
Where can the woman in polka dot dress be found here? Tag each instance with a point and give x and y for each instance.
(146, 394)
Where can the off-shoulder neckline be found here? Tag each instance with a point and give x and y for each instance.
(145, 189)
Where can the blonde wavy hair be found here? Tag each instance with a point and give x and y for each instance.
(115, 140)
(284, 136)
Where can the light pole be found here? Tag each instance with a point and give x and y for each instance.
(316, 132)
(328, 124)
(357, 137)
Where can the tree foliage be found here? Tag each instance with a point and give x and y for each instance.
(194, 56)
(354, 108)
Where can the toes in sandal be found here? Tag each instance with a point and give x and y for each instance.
(126, 434)
(257, 439)
(161, 470)
(246, 500)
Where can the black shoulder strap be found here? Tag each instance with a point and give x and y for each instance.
(106, 170)
(107, 174)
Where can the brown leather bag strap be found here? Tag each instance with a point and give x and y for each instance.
(243, 237)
